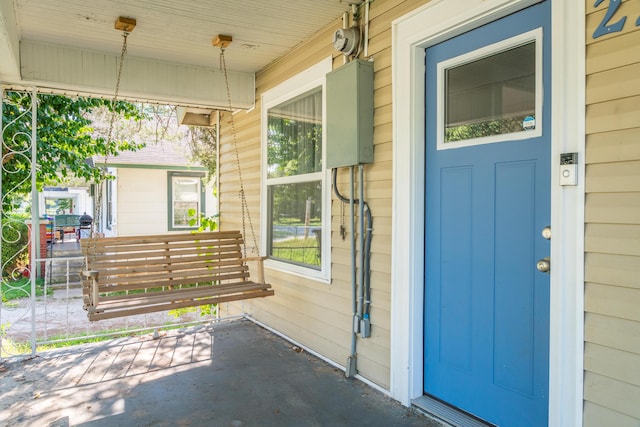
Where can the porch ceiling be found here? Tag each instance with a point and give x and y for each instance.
(169, 33)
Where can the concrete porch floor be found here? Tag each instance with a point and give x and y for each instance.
(232, 374)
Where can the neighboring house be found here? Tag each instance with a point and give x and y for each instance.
(506, 136)
(152, 191)
(64, 200)
(62, 205)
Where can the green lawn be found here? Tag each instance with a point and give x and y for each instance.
(21, 288)
(304, 251)
(24, 347)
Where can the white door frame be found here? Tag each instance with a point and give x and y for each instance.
(430, 24)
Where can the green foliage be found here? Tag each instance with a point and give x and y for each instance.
(203, 310)
(488, 128)
(207, 223)
(289, 202)
(64, 204)
(294, 147)
(15, 244)
(21, 288)
(65, 140)
(202, 147)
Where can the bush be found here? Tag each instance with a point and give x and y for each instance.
(15, 245)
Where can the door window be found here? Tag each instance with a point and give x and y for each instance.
(491, 95)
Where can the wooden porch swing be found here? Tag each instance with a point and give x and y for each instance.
(142, 274)
(132, 275)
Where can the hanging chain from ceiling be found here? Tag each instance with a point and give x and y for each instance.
(99, 190)
(242, 195)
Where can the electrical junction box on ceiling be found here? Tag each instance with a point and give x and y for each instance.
(350, 115)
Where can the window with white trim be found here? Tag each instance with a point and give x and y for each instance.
(295, 214)
(186, 200)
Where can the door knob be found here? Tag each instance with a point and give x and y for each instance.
(544, 265)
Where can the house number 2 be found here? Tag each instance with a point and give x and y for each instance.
(606, 26)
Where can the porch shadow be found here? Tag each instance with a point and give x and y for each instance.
(233, 374)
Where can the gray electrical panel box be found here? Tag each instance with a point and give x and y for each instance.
(350, 115)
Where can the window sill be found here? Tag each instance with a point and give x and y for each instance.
(299, 271)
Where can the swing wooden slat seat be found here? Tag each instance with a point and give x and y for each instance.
(142, 274)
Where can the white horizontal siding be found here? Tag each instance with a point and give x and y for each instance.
(142, 202)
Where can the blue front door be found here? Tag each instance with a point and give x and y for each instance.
(487, 198)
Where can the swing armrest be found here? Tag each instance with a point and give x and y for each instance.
(259, 260)
(93, 286)
(90, 274)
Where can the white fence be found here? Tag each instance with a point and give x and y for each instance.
(53, 316)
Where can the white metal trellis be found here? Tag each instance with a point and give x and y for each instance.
(12, 154)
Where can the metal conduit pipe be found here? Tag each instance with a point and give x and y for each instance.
(352, 361)
(366, 28)
(336, 191)
(350, 370)
(361, 306)
(361, 245)
(345, 25)
(367, 246)
(365, 328)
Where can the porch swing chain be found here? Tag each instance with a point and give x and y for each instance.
(123, 53)
(243, 198)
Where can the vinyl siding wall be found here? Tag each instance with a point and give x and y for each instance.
(316, 314)
(142, 205)
(612, 229)
(142, 202)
